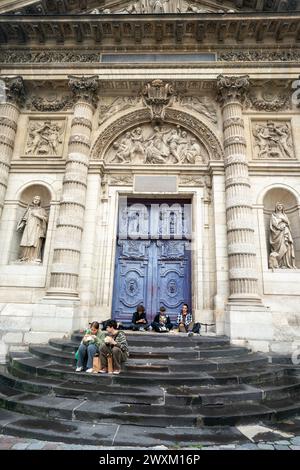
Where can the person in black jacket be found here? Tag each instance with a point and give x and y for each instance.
(139, 319)
(162, 322)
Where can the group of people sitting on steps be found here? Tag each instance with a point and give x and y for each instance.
(110, 346)
(162, 322)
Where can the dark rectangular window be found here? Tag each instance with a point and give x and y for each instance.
(159, 58)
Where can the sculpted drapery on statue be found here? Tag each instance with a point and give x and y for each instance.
(34, 227)
(281, 241)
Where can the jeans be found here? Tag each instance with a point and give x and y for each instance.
(88, 351)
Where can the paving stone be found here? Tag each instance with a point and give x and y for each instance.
(279, 447)
(265, 446)
(20, 446)
(296, 441)
(295, 447)
(247, 447)
(282, 443)
(36, 446)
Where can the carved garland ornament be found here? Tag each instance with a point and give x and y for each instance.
(188, 123)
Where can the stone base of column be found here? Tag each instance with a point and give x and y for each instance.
(249, 325)
(61, 294)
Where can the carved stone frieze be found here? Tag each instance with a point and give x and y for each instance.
(38, 103)
(45, 137)
(121, 180)
(76, 56)
(118, 104)
(260, 56)
(191, 180)
(273, 140)
(46, 57)
(168, 144)
(270, 96)
(203, 105)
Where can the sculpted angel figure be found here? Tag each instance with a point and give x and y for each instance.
(281, 240)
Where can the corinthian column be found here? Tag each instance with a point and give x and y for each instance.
(12, 100)
(240, 231)
(67, 244)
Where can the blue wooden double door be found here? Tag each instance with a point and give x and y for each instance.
(153, 258)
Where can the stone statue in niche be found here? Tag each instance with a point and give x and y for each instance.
(157, 145)
(281, 241)
(273, 140)
(33, 224)
(44, 138)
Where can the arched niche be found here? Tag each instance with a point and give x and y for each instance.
(24, 200)
(174, 118)
(291, 208)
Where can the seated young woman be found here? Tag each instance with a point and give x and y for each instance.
(92, 341)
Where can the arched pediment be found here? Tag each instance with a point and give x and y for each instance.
(133, 139)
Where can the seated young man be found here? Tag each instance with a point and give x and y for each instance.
(162, 322)
(115, 346)
(185, 322)
(139, 320)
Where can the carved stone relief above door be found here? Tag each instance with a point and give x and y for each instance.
(157, 145)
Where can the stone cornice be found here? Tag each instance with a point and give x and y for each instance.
(124, 30)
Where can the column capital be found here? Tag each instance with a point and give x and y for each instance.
(85, 88)
(15, 92)
(232, 88)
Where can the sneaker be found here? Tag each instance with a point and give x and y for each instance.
(150, 328)
(116, 372)
(141, 328)
(79, 369)
(190, 333)
(103, 371)
(89, 371)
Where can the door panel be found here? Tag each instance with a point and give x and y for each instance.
(154, 272)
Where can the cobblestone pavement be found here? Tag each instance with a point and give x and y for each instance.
(17, 443)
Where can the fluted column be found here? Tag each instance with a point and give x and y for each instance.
(240, 230)
(68, 237)
(13, 99)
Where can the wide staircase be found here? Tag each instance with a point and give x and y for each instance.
(169, 382)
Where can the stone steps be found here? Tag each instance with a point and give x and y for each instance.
(159, 365)
(177, 381)
(55, 407)
(167, 352)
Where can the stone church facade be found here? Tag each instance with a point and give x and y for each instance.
(150, 153)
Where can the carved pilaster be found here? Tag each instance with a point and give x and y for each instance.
(12, 99)
(67, 245)
(241, 245)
